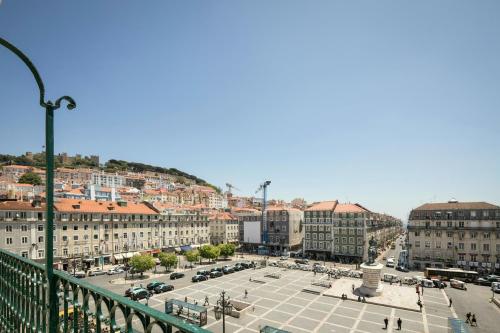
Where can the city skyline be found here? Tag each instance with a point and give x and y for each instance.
(386, 106)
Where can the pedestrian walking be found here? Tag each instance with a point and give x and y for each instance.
(468, 318)
(206, 301)
(253, 308)
(186, 299)
(419, 303)
(386, 322)
(450, 303)
(353, 287)
(399, 324)
(473, 320)
(246, 293)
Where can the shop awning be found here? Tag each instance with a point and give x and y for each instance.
(129, 255)
(186, 248)
(118, 257)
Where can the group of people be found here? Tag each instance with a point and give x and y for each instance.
(399, 322)
(471, 319)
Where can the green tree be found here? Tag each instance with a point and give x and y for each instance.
(192, 255)
(209, 252)
(167, 260)
(227, 250)
(30, 178)
(142, 263)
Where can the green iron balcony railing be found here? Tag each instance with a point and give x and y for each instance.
(82, 307)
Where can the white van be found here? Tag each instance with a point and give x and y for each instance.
(458, 284)
(390, 262)
(427, 283)
(390, 278)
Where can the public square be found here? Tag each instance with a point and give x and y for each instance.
(283, 304)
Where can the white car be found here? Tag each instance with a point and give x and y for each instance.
(96, 272)
(115, 270)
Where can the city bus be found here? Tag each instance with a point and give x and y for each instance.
(451, 273)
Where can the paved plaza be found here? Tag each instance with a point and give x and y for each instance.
(282, 303)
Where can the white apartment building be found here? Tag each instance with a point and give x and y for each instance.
(224, 228)
(182, 227)
(455, 234)
(108, 179)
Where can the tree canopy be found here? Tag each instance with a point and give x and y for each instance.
(226, 250)
(209, 252)
(30, 178)
(167, 260)
(192, 255)
(142, 263)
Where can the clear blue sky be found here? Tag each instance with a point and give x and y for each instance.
(385, 103)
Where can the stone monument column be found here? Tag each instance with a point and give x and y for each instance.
(371, 273)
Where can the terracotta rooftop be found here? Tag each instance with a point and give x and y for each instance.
(350, 208)
(324, 205)
(107, 207)
(21, 206)
(456, 206)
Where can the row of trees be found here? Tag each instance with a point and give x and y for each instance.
(144, 262)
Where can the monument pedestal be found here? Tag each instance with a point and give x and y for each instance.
(371, 279)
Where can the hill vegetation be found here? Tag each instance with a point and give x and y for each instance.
(112, 165)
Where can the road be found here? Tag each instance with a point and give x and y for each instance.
(105, 280)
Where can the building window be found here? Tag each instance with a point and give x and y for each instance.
(24, 228)
(461, 246)
(486, 247)
(449, 234)
(24, 240)
(8, 240)
(427, 244)
(96, 236)
(75, 237)
(64, 227)
(8, 228)
(417, 243)
(65, 251)
(472, 213)
(40, 239)
(438, 245)
(24, 254)
(41, 254)
(461, 224)
(473, 246)
(40, 227)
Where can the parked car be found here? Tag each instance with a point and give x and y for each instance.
(163, 288)
(238, 268)
(79, 274)
(139, 294)
(228, 270)
(483, 282)
(153, 285)
(439, 284)
(203, 272)
(96, 272)
(176, 275)
(402, 269)
(302, 261)
(216, 269)
(495, 287)
(390, 262)
(129, 291)
(114, 270)
(493, 278)
(198, 278)
(216, 274)
(272, 264)
(390, 278)
(246, 265)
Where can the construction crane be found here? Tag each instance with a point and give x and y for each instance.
(231, 187)
(263, 188)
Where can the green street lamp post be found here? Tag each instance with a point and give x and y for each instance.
(50, 107)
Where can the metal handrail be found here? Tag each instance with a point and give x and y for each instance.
(22, 297)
